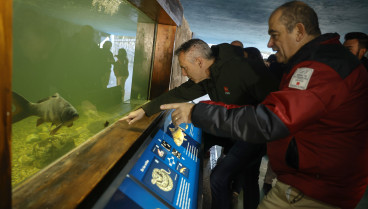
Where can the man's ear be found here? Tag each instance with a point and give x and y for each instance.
(300, 32)
(361, 53)
(199, 61)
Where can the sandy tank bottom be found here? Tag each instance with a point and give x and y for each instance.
(33, 148)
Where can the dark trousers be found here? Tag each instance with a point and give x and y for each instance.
(242, 159)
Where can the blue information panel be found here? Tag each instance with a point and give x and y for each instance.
(166, 174)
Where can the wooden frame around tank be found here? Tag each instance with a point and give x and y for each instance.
(5, 102)
(65, 183)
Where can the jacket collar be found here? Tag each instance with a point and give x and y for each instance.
(310, 48)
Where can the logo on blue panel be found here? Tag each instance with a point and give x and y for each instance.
(166, 145)
(176, 153)
(158, 151)
(183, 170)
(171, 161)
(161, 179)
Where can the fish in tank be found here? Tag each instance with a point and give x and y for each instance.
(36, 146)
(54, 109)
(65, 89)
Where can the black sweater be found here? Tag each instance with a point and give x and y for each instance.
(232, 81)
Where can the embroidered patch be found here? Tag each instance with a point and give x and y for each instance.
(226, 89)
(301, 78)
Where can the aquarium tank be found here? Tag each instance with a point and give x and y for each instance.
(78, 66)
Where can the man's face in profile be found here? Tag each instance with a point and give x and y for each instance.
(281, 40)
(190, 68)
(353, 46)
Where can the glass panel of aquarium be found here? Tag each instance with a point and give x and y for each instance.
(74, 65)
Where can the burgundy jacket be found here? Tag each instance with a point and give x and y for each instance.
(316, 126)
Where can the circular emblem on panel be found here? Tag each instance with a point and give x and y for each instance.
(162, 179)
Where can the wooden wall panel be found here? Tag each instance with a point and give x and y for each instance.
(142, 61)
(164, 49)
(5, 101)
(183, 34)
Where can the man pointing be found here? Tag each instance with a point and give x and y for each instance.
(315, 126)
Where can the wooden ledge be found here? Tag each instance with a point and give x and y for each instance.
(67, 182)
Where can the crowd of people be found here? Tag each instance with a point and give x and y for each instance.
(305, 108)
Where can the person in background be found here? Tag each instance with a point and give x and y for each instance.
(108, 59)
(224, 74)
(240, 176)
(315, 126)
(121, 69)
(357, 43)
(237, 43)
(252, 53)
(255, 59)
(274, 66)
(270, 59)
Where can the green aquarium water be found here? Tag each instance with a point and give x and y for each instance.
(78, 66)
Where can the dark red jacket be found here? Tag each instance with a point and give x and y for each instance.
(316, 126)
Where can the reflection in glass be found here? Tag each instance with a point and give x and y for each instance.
(73, 65)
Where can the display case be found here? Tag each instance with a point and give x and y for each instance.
(92, 60)
(165, 172)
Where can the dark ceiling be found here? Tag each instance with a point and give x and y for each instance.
(219, 21)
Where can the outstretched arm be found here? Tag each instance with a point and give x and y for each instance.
(248, 123)
(255, 124)
(134, 116)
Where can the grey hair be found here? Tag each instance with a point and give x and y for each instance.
(197, 48)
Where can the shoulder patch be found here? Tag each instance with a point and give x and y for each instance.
(301, 78)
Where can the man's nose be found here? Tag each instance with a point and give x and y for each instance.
(270, 43)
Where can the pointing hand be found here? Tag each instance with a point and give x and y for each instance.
(182, 113)
(134, 116)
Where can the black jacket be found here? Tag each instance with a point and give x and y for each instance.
(315, 126)
(232, 81)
